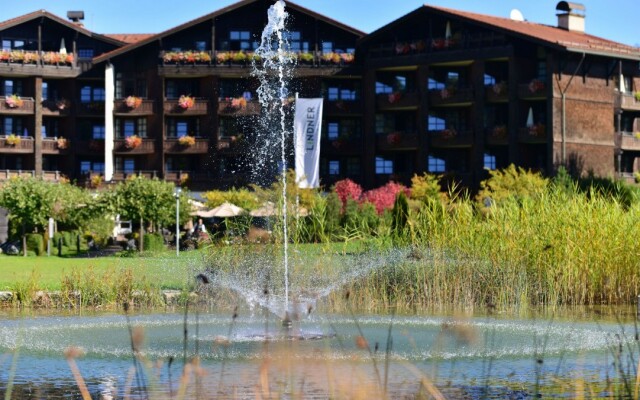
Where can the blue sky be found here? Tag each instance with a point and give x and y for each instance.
(615, 20)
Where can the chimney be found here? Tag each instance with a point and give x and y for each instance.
(75, 17)
(571, 16)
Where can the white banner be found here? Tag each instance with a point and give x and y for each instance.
(307, 127)
(109, 88)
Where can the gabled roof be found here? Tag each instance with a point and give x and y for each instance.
(129, 37)
(44, 13)
(214, 14)
(552, 36)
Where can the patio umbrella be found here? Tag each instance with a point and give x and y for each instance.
(530, 117)
(267, 209)
(447, 32)
(224, 210)
(63, 48)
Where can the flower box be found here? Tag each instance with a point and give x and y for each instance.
(133, 102)
(12, 140)
(62, 143)
(186, 102)
(132, 142)
(187, 141)
(14, 101)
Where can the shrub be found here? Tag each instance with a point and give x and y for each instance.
(425, 187)
(512, 182)
(35, 243)
(347, 189)
(153, 242)
(400, 215)
(384, 197)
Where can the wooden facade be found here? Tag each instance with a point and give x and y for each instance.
(437, 91)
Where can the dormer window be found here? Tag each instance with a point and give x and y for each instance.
(240, 39)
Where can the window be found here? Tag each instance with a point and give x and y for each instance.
(200, 45)
(489, 80)
(129, 127)
(14, 125)
(333, 93)
(91, 166)
(327, 47)
(177, 87)
(85, 53)
(333, 130)
(295, 41)
(241, 40)
(434, 85)
(384, 166)
(6, 45)
(129, 165)
(334, 167)
(542, 70)
(435, 165)
(184, 126)
(435, 123)
(353, 166)
(12, 87)
(90, 94)
(50, 128)
(489, 161)
(97, 132)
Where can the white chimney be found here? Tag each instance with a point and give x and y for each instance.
(571, 16)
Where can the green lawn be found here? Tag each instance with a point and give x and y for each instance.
(166, 270)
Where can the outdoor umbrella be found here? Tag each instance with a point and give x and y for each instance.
(267, 209)
(224, 210)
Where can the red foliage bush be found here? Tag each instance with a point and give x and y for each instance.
(347, 189)
(384, 197)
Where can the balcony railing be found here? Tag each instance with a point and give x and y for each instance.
(239, 108)
(51, 176)
(341, 146)
(47, 63)
(55, 146)
(119, 176)
(146, 146)
(21, 145)
(60, 107)
(173, 145)
(24, 105)
(498, 93)
(498, 135)
(397, 100)
(629, 141)
(449, 138)
(187, 177)
(342, 107)
(221, 59)
(420, 46)
(534, 90)
(398, 141)
(145, 107)
(627, 102)
(94, 108)
(200, 107)
(532, 134)
(450, 96)
(230, 144)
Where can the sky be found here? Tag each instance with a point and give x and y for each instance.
(613, 19)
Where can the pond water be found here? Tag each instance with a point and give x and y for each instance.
(461, 357)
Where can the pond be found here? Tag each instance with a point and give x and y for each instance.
(330, 355)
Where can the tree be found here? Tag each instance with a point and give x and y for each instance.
(147, 200)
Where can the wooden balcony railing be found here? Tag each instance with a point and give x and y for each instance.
(449, 138)
(119, 176)
(398, 141)
(628, 141)
(226, 107)
(25, 105)
(532, 134)
(221, 59)
(498, 135)
(147, 146)
(424, 46)
(534, 90)
(627, 102)
(55, 146)
(23, 145)
(450, 96)
(93, 108)
(56, 107)
(342, 107)
(42, 63)
(51, 176)
(199, 107)
(397, 100)
(173, 146)
(230, 144)
(498, 93)
(341, 146)
(144, 108)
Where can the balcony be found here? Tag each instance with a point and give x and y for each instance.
(450, 97)
(200, 107)
(45, 63)
(497, 136)
(120, 176)
(135, 107)
(146, 146)
(498, 93)
(16, 144)
(397, 141)
(341, 146)
(52, 108)
(173, 146)
(17, 106)
(86, 146)
(450, 138)
(422, 47)
(230, 144)
(238, 107)
(191, 178)
(92, 109)
(627, 101)
(50, 176)
(535, 134)
(55, 146)
(628, 141)
(534, 90)
(398, 101)
(341, 107)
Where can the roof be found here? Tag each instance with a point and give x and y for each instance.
(44, 13)
(219, 12)
(552, 36)
(129, 37)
